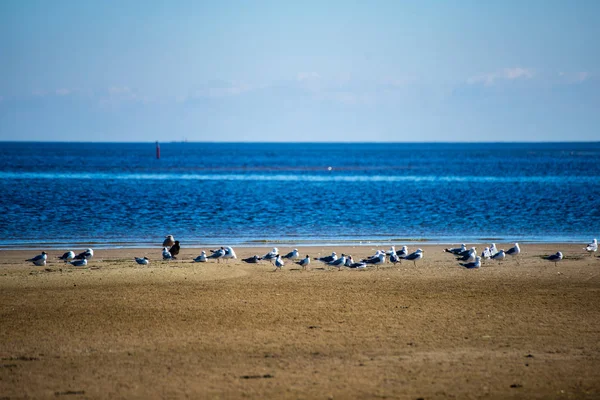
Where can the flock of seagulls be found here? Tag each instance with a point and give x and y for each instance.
(466, 257)
(79, 260)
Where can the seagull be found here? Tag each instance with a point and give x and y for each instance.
(351, 264)
(270, 256)
(304, 262)
(201, 257)
(292, 255)
(174, 250)
(499, 255)
(402, 253)
(142, 261)
(469, 255)
(166, 255)
(493, 249)
(394, 258)
(475, 264)
(327, 259)
(456, 250)
(217, 254)
(391, 251)
(417, 255)
(592, 247)
(79, 263)
(514, 251)
(486, 253)
(252, 260)
(229, 254)
(69, 255)
(555, 257)
(278, 262)
(89, 253)
(377, 261)
(169, 241)
(338, 262)
(40, 259)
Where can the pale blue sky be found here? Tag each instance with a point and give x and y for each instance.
(300, 71)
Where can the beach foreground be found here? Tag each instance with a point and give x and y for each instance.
(116, 329)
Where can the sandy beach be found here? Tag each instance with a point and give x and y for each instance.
(115, 329)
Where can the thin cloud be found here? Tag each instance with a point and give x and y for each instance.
(506, 74)
(63, 91)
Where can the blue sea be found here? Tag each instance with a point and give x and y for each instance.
(57, 195)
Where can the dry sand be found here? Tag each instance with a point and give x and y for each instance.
(180, 329)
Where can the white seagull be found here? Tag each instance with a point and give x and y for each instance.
(166, 254)
(486, 253)
(327, 259)
(278, 262)
(351, 264)
(456, 250)
(493, 249)
(391, 251)
(142, 261)
(217, 254)
(201, 257)
(555, 257)
(474, 264)
(376, 260)
(89, 253)
(403, 252)
(339, 262)
(272, 255)
(292, 255)
(69, 255)
(500, 255)
(592, 247)
(304, 262)
(417, 255)
(514, 251)
(469, 255)
(229, 254)
(40, 259)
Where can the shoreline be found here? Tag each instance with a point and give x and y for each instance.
(213, 244)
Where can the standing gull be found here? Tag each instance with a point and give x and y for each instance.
(469, 255)
(278, 262)
(304, 262)
(174, 250)
(377, 261)
(555, 257)
(272, 255)
(417, 255)
(514, 251)
(229, 254)
(403, 252)
(327, 259)
(169, 241)
(40, 259)
(292, 255)
(339, 263)
(217, 254)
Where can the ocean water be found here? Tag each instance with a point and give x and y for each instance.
(119, 194)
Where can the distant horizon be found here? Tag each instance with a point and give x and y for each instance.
(303, 142)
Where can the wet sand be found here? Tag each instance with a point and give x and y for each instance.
(115, 329)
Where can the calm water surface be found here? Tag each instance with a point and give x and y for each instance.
(109, 194)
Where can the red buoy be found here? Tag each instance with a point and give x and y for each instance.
(157, 151)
